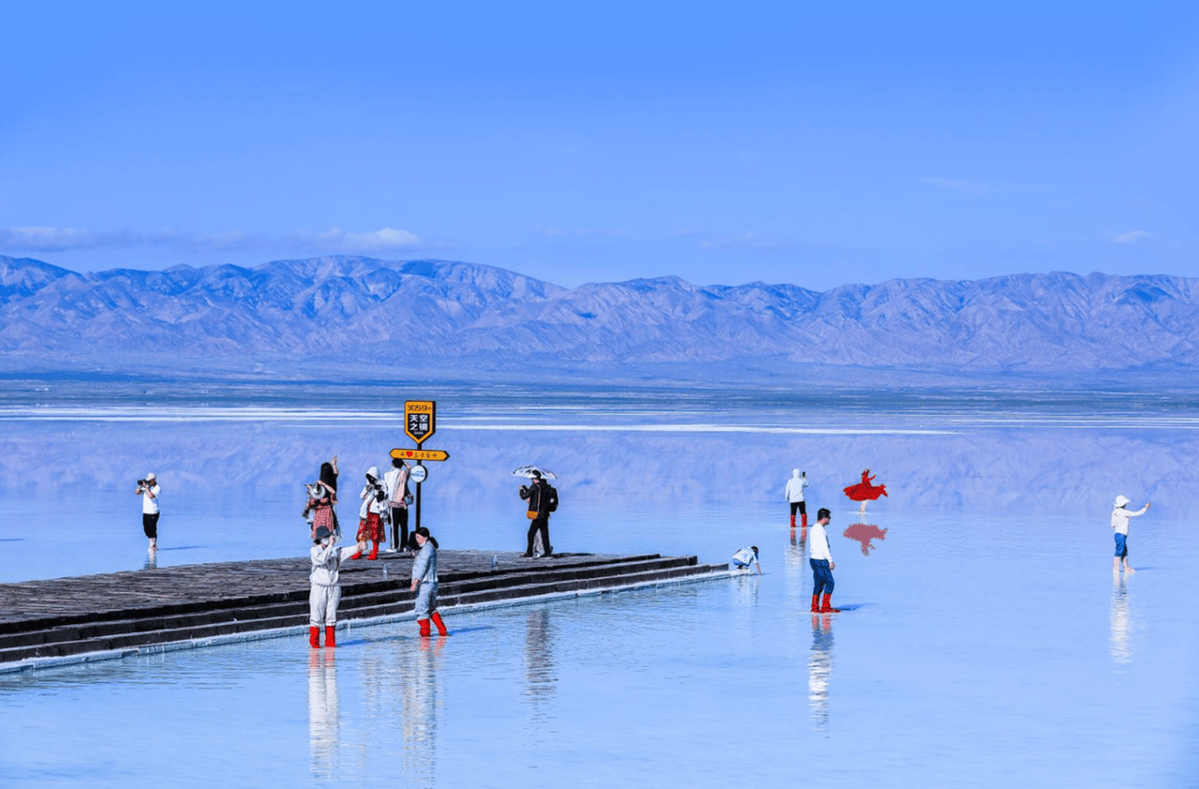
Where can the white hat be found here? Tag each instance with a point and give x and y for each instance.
(373, 471)
(1122, 500)
(151, 476)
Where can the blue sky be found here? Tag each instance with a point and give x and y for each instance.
(814, 144)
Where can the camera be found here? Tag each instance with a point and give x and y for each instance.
(143, 483)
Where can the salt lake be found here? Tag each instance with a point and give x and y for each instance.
(988, 644)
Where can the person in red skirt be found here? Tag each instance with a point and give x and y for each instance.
(864, 491)
(370, 524)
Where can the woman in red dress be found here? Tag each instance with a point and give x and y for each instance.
(863, 491)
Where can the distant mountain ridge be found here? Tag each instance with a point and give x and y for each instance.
(393, 312)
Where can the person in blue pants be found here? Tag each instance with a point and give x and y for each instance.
(821, 560)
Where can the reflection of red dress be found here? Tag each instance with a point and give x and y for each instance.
(864, 491)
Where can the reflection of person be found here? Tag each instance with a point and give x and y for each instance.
(820, 668)
(794, 494)
(370, 514)
(539, 500)
(424, 582)
(325, 578)
(821, 561)
(863, 491)
(1120, 516)
(395, 481)
(746, 558)
(149, 489)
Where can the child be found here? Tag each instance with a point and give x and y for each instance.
(424, 577)
(326, 586)
(746, 558)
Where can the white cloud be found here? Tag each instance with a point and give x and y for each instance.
(59, 239)
(384, 240)
(748, 241)
(1131, 237)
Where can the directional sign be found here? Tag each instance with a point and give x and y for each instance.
(420, 454)
(420, 419)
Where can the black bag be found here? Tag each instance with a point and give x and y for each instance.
(551, 501)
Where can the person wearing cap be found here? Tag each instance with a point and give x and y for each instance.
(821, 560)
(747, 558)
(148, 489)
(325, 578)
(370, 514)
(424, 582)
(1120, 516)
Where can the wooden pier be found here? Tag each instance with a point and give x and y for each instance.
(67, 620)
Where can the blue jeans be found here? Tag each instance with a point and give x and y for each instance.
(1121, 545)
(822, 576)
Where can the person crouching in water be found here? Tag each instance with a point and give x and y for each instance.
(821, 560)
(424, 582)
(326, 585)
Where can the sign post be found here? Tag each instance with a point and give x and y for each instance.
(420, 422)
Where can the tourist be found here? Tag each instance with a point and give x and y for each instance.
(149, 490)
(746, 558)
(395, 482)
(424, 582)
(370, 515)
(794, 495)
(322, 500)
(326, 586)
(543, 500)
(864, 491)
(821, 560)
(1120, 516)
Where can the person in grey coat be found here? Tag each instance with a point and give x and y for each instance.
(424, 582)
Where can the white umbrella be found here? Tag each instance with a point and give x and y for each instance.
(527, 471)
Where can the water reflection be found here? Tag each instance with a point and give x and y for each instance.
(420, 703)
(865, 534)
(1121, 621)
(541, 673)
(151, 561)
(324, 712)
(820, 668)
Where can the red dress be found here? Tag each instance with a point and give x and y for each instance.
(864, 491)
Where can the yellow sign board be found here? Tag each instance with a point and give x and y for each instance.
(420, 419)
(420, 454)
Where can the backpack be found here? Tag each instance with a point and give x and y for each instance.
(551, 498)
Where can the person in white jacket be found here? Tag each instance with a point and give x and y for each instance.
(821, 561)
(325, 578)
(1120, 516)
(794, 495)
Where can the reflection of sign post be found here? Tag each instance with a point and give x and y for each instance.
(420, 419)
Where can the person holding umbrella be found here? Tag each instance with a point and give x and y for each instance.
(543, 500)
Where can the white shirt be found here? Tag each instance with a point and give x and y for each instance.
(745, 557)
(150, 502)
(818, 543)
(1120, 516)
(394, 481)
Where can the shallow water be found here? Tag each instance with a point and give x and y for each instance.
(987, 645)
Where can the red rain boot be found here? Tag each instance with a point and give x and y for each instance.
(374, 551)
(815, 604)
(314, 637)
(330, 636)
(440, 625)
(827, 607)
(792, 521)
(803, 520)
(424, 627)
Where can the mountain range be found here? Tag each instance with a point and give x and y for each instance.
(389, 314)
